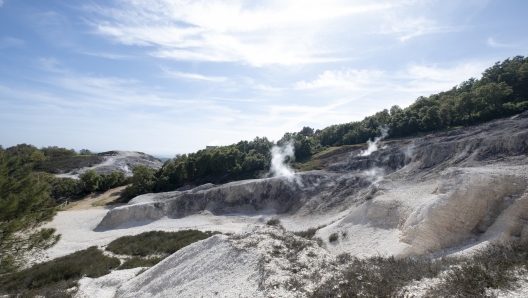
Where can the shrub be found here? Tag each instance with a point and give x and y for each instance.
(155, 242)
(51, 279)
(377, 276)
(273, 222)
(319, 241)
(489, 268)
(91, 180)
(139, 262)
(308, 234)
(333, 237)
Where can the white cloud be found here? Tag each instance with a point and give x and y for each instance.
(7, 42)
(194, 76)
(413, 27)
(1, 3)
(106, 55)
(432, 78)
(272, 32)
(494, 44)
(350, 79)
(416, 78)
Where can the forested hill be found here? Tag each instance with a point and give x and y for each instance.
(501, 91)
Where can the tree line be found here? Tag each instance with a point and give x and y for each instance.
(501, 91)
(29, 193)
(46, 161)
(29, 198)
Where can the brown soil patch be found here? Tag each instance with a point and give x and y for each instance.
(98, 200)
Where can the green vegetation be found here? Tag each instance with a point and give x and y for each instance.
(140, 262)
(89, 182)
(54, 160)
(61, 160)
(150, 248)
(308, 234)
(491, 268)
(155, 242)
(28, 198)
(53, 278)
(25, 205)
(273, 222)
(499, 93)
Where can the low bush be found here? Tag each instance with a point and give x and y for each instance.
(64, 163)
(489, 268)
(155, 242)
(308, 234)
(333, 237)
(377, 277)
(273, 222)
(139, 262)
(53, 278)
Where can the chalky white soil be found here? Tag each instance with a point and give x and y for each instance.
(122, 161)
(77, 228)
(439, 195)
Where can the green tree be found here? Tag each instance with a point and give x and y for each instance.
(38, 157)
(63, 188)
(85, 152)
(491, 97)
(143, 181)
(307, 131)
(25, 205)
(91, 180)
(464, 104)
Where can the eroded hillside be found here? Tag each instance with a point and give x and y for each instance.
(117, 161)
(446, 193)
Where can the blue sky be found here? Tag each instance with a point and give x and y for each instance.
(168, 76)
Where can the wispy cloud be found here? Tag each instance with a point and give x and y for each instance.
(1, 3)
(350, 79)
(414, 27)
(415, 77)
(193, 76)
(284, 33)
(433, 78)
(7, 42)
(106, 55)
(494, 44)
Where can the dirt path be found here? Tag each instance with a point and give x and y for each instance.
(97, 200)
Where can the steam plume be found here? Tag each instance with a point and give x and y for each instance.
(374, 175)
(373, 145)
(278, 157)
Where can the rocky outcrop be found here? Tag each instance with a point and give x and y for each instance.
(118, 161)
(310, 192)
(424, 194)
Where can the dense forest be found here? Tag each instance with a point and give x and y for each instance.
(501, 91)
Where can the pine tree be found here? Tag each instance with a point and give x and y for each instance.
(25, 204)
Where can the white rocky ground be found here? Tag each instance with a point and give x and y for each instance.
(438, 195)
(118, 161)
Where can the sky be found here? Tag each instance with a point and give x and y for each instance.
(169, 76)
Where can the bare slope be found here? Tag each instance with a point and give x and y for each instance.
(441, 194)
(118, 161)
(425, 195)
